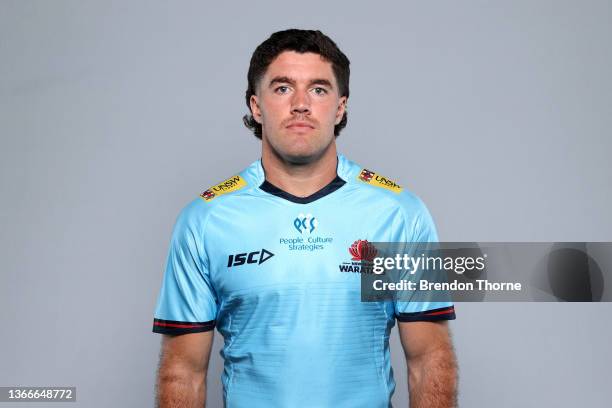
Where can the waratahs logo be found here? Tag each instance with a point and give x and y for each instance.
(363, 253)
(305, 223)
(362, 250)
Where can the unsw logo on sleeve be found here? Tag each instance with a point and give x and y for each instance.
(229, 185)
(371, 177)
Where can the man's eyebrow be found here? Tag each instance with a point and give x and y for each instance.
(321, 81)
(281, 80)
(287, 80)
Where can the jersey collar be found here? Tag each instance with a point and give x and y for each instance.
(334, 185)
(328, 189)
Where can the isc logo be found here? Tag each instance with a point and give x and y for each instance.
(256, 257)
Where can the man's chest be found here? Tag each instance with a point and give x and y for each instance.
(297, 245)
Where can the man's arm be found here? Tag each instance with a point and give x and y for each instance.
(432, 367)
(181, 380)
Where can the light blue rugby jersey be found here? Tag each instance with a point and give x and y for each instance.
(269, 270)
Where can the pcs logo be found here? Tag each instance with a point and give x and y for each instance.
(255, 257)
(305, 223)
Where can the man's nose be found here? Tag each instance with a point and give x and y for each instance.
(300, 103)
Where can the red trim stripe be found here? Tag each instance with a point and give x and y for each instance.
(451, 310)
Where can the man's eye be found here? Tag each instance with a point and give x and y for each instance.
(282, 89)
(320, 91)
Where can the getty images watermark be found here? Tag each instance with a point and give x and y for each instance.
(473, 272)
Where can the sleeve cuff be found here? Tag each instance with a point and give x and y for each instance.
(444, 313)
(175, 327)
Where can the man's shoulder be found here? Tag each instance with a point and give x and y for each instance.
(380, 187)
(221, 195)
(380, 193)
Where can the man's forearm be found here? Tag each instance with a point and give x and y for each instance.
(181, 391)
(432, 380)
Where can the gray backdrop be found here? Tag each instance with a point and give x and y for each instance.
(114, 115)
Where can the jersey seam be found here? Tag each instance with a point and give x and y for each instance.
(383, 362)
(231, 365)
(206, 267)
(203, 225)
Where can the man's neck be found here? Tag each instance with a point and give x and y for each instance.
(300, 180)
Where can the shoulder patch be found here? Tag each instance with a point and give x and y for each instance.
(375, 179)
(229, 185)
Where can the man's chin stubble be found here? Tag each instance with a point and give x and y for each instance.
(299, 159)
(303, 159)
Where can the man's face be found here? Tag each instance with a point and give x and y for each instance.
(298, 104)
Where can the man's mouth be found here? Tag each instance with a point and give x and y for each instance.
(300, 125)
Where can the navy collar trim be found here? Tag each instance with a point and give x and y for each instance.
(334, 185)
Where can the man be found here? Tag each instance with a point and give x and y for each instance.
(260, 256)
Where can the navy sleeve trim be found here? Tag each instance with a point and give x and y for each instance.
(444, 313)
(175, 327)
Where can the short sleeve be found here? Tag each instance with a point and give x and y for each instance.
(187, 302)
(425, 309)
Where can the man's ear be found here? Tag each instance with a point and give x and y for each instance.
(341, 109)
(255, 110)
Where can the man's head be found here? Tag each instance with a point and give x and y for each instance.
(298, 85)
